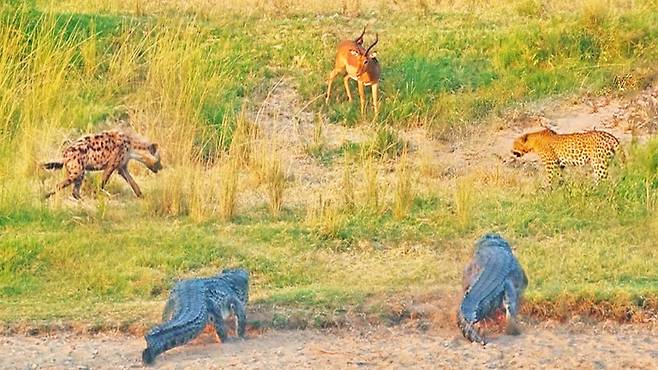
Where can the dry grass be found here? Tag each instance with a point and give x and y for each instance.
(347, 185)
(354, 8)
(463, 200)
(228, 190)
(372, 190)
(404, 192)
(326, 219)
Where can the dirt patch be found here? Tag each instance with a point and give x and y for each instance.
(548, 345)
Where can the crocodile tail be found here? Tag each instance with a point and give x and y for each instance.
(469, 330)
(53, 165)
(188, 320)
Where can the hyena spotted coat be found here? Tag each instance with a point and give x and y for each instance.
(106, 151)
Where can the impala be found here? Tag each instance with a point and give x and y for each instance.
(360, 65)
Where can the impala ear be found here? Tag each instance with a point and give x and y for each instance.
(354, 52)
(373, 54)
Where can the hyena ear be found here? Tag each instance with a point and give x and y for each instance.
(153, 148)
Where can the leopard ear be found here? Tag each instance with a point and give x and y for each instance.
(153, 148)
(524, 138)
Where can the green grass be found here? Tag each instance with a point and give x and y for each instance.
(184, 78)
(575, 242)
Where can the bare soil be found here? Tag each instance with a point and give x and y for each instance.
(547, 345)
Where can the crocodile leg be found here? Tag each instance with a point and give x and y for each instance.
(510, 301)
(240, 316)
(218, 322)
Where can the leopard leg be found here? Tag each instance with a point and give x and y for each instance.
(600, 171)
(553, 172)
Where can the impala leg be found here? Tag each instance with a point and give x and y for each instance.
(375, 92)
(362, 97)
(346, 82)
(332, 76)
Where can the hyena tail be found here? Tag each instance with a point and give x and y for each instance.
(53, 165)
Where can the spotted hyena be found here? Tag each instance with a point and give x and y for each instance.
(108, 151)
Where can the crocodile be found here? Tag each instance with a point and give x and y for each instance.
(192, 304)
(494, 278)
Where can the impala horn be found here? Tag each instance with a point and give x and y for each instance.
(359, 40)
(373, 44)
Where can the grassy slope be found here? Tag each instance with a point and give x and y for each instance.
(187, 77)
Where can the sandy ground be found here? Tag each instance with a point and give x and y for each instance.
(546, 345)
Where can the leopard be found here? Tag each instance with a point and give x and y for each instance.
(576, 149)
(106, 151)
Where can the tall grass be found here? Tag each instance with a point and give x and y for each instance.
(174, 82)
(464, 202)
(228, 191)
(404, 192)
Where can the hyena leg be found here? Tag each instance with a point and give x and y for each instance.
(69, 180)
(123, 171)
(106, 175)
(74, 174)
(76, 188)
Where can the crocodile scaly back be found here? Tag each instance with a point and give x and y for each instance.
(490, 277)
(187, 319)
(194, 303)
